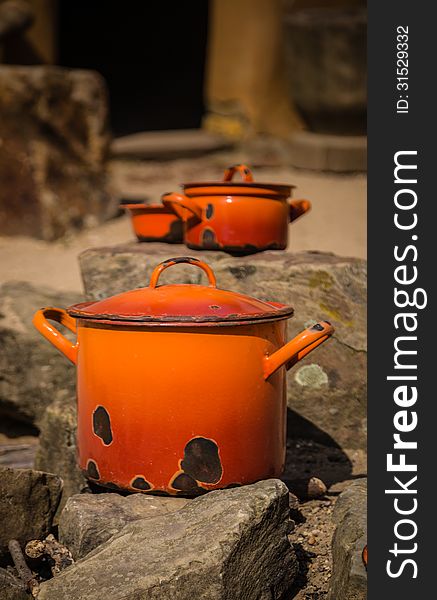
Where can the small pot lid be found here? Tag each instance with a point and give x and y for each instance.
(181, 303)
(238, 187)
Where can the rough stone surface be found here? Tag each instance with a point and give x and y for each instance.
(349, 576)
(11, 588)
(225, 545)
(328, 388)
(32, 371)
(88, 520)
(57, 445)
(54, 144)
(28, 502)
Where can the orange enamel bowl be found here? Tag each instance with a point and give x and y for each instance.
(155, 223)
(180, 388)
(236, 217)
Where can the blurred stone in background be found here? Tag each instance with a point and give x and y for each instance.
(15, 17)
(54, 143)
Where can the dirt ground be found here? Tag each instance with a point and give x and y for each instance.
(337, 222)
(314, 527)
(311, 540)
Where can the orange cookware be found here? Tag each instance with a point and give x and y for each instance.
(155, 223)
(237, 217)
(180, 388)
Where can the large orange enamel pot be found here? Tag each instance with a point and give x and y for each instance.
(237, 217)
(155, 223)
(181, 388)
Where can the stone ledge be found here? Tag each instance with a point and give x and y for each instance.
(320, 152)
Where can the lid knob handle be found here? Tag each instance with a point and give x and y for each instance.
(245, 172)
(178, 260)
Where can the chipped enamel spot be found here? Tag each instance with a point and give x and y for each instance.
(92, 470)
(140, 483)
(202, 460)
(102, 425)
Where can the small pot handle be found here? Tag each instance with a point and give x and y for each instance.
(177, 261)
(297, 348)
(177, 202)
(55, 337)
(243, 170)
(298, 208)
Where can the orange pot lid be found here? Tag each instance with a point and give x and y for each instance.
(181, 303)
(247, 185)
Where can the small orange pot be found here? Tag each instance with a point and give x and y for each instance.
(155, 223)
(236, 217)
(180, 388)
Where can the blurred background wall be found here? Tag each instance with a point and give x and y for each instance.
(218, 63)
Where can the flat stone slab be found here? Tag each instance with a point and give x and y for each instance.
(88, 520)
(166, 145)
(327, 388)
(18, 456)
(226, 544)
(322, 152)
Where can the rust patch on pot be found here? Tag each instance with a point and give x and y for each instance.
(186, 484)
(202, 461)
(102, 425)
(209, 211)
(139, 483)
(92, 470)
(179, 259)
(209, 239)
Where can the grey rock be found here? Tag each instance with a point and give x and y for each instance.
(349, 576)
(55, 141)
(28, 503)
(88, 520)
(11, 588)
(32, 371)
(224, 545)
(57, 446)
(328, 388)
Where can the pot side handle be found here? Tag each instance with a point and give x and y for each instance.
(178, 202)
(55, 337)
(298, 208)
(304, 343)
